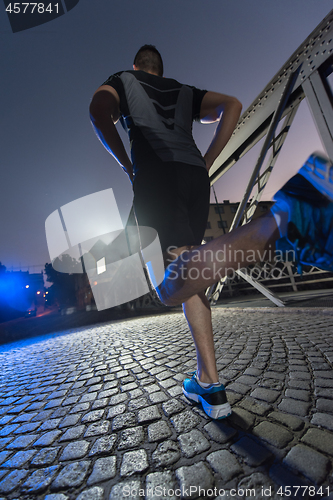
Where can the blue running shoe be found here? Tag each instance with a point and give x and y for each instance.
(213, 399)
(308, 198)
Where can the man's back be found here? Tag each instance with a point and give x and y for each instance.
(158, 113)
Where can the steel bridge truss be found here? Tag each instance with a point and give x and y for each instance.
(306, 74)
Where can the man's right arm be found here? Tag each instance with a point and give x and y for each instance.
(224, 109)
(104, 113)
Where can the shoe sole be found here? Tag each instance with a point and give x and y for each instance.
(318, 170)
(217, 412)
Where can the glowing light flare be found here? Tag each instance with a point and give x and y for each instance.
(101, 267)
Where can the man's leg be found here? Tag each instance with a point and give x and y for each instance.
(302, 223)
(204, 386)
(198, 315)
(195, 270)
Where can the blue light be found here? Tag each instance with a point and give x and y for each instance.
(14, 293)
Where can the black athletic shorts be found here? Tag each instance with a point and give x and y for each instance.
(173, 198)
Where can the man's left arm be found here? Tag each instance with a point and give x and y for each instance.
(104, 113)
(225, 109)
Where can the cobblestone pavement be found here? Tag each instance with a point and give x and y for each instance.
(98, 412)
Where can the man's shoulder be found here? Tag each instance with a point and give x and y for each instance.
(162, 84)
(112, 78)
(158, 82)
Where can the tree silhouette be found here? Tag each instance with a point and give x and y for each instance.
(62, 290)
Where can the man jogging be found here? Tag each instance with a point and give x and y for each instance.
(171, 194)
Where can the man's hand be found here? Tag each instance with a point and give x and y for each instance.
(104, 113)
(225, 109)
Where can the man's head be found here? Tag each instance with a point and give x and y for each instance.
(149, 59)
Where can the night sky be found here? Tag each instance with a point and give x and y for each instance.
(50, 155)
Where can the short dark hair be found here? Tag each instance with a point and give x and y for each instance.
(148, 58)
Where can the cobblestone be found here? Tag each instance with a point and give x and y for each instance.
(219, 432)
(93, 416)
(73, 433)
(124, 489)
(46, 456)
(161, 481)
(192, 443)
(70, 420)
(196, 476)
(51, 424)
(104, 469)
(40, 480)
(321, 440)
(8, 429)
(225, 464)
(97, 428)
(19, 459)
(134, 462)
(48, 438)
(172, 407)
(158, 431)
(13, 480)
(273, 434)
(80, 407)
(4, 442)
(4, 455)
(298, 394)
(148, 414)
(138, 403)
(242, 419)
(175, 391)
(122, 421)
(42, 416)
(185, 421)
(158, 397)
(119, 398)
(71, 475)
(22, 442)
(131, 438)
(323, 420)
(294, 423)
(267, 395)
(75, 450)
(295, 407)
(103, 445)
(94, 493)
(255, 406)
(166, 453)
(252, 453)
(324, 405)
(309, 462)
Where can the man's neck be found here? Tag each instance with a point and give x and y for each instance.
(149, 71)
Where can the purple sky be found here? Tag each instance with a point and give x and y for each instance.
(49, 153)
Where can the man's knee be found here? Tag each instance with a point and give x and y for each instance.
(166, 298)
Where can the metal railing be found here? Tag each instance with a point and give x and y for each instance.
(303, 75)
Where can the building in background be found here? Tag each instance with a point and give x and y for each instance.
(221, 216)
